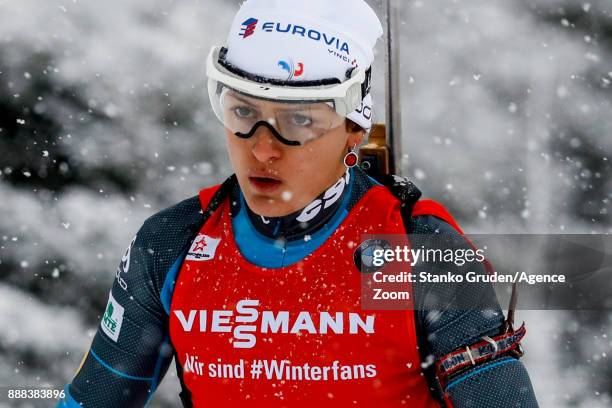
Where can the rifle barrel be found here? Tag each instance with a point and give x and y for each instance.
(394, 111)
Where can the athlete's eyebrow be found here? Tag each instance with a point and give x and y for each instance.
(297, 108)
(241, 98)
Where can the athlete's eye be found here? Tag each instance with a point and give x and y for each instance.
(244, 112)
(300, 120)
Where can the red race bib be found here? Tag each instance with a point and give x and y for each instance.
(294, 336)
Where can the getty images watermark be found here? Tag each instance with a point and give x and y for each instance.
(442, 271)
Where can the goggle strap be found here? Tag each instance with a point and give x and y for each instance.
(366, 86)
(277, 82)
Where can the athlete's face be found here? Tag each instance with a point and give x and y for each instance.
(277, 179)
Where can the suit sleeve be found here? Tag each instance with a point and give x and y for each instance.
(451, 316)
(130, 352)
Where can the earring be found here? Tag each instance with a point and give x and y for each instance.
(351, 159)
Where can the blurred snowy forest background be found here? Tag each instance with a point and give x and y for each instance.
(104, 120)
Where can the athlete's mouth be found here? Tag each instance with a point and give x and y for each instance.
(265, 184)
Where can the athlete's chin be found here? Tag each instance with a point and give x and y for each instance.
(269, 205)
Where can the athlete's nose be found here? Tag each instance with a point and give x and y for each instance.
(266, 148)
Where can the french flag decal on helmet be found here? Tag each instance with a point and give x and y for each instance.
(248, 27)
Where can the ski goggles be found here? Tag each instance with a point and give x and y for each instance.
(294, 111)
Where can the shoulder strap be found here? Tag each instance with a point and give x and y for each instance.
(412, 205)
(210, 200)
(212, 197)
(406, 192)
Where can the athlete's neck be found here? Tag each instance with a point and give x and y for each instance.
(308, 220)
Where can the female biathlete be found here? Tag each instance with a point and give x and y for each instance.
(253, 286)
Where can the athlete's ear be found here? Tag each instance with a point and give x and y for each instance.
(355, 139)
(355, 134)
